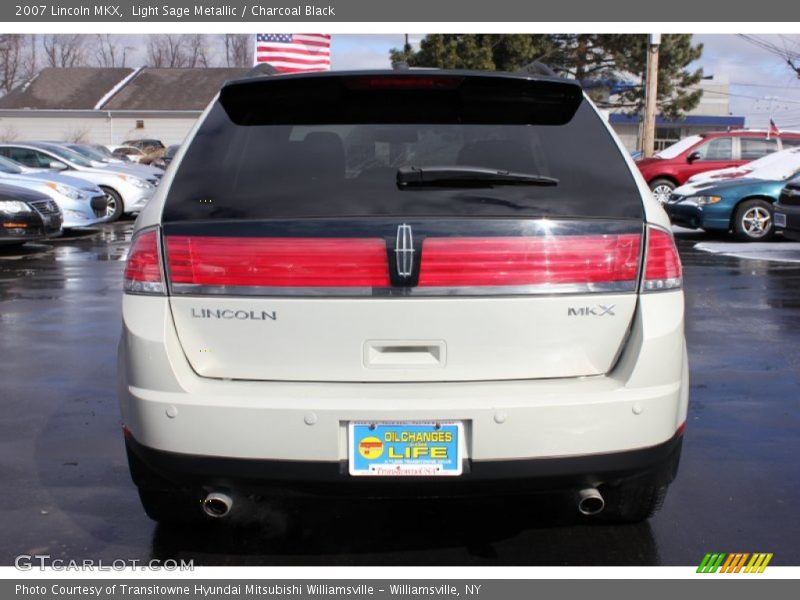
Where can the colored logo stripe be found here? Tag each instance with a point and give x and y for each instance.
(735, 562)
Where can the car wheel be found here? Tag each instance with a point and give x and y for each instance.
(753, 221)
(631, 502)
(114, 206)
(662, 188)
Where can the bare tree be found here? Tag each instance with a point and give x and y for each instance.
(108, 52)
(238, 49)
(11, 61)
(177, 51)
(64, 50)
(198, 54)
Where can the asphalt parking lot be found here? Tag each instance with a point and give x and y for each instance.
(67, 492)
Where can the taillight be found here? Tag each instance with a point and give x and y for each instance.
(277, 262)
(513, 261)
(143, 270)
(663, 264)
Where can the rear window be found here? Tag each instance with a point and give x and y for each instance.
(234, 169)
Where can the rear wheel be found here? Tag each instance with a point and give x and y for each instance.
(662, 188)
(114, 206)
(632, 502)
(753, 221)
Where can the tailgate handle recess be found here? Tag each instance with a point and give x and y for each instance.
(404, 354)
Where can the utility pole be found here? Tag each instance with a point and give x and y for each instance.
(651, 94)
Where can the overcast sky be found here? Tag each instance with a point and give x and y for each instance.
(760, 81)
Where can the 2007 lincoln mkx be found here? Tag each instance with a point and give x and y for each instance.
(442, 248)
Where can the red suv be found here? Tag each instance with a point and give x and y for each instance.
(708, 151)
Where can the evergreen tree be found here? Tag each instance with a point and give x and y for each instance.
(603, 58)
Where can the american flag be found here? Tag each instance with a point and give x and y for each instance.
(773, 129)
(294, 52)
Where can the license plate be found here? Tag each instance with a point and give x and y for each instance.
(780, 220)
(405, 449)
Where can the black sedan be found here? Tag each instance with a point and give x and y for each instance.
(27, 216)
(787, 211)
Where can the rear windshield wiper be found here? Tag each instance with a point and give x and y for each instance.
(465, 177)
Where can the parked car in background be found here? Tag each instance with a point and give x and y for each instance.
(125, 193)
(777, 165)
(26, 216)
(695, 154)
(164, 161)
(743, 205)
(449, 284)
(82, 203)
(150, 173)
(787, 211)
(126, 153)
(145, 145)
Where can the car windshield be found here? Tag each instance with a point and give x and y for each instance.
(68, 155)
(679, 147)
(88, 152)
(101, 150)
(9, 166)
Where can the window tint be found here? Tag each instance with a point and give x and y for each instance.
(717, 149)
(790, 142)
(350, 170)
(753, 148)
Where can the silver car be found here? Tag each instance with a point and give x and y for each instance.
(125, 193)
(82, 203)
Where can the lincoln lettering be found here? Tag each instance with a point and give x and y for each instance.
(239, 315)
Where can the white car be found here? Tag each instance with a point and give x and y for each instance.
(125, 193)
(778, 165)
(432, 284)
(82, 203)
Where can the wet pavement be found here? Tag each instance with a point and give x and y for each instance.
(67, 492)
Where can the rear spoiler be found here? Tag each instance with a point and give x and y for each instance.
(401, 97)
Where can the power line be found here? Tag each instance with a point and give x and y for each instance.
(790, 57)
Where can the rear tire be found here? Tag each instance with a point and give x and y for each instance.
(662, 188)
(753, 221)
(632, 502)
(115, 206)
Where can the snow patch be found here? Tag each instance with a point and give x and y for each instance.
(110, 94)
(771, 251)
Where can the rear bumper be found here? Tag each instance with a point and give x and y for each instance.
(167, 407)
(279, 478)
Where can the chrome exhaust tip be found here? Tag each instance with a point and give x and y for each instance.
(217, 505)
(590, 502)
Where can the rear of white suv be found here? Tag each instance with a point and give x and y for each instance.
(402, 283)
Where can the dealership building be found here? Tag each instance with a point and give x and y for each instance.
(711, 114)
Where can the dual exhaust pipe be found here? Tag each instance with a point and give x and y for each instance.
(218, 505)
(590, 502)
